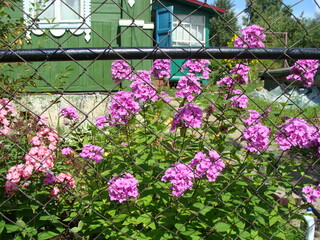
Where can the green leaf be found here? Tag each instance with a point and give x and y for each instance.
(225, 197)
(47, 235)
(78, 228)
(2, 224)
(273, 220)
(12, 228)
(281, 235)
(180, 227)
(222, 227)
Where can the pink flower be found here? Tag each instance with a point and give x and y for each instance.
(197, 67)
(189, 116)
(296, 132)
(55, 191)
(92, 152)
(304, 71)
(210, 166)
(311, 193)
(46, 137)
(50, 178)
(257, 137)
(67, 151)
(120, 71)
(188, 86)
(69, 113)
(66, 180)
(251, 36)
(239, 100)
(123, 106)
(161, 68)
(41, 158)
(181, 177)
(142, 87)
(123, 187)
(161, 96)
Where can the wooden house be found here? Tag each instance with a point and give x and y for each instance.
(107, 23)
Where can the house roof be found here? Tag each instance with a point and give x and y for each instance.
(206, 7)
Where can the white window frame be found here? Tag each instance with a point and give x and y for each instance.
(185, 26)
(57, 26)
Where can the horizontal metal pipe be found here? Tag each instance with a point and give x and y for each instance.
(71, 54)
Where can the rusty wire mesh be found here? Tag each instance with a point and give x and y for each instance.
(53, 188)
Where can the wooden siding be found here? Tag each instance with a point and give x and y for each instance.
(91, 75)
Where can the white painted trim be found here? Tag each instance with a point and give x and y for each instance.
(148, 26)
(131, 23)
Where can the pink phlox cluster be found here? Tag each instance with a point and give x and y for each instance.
(239, 100)
(304, 70)
(142, 87)
(7, 113)
(188, 86)
(50, 178)
(38, 122)
(227, 81)
(253, 118)
(47, 137)
(6, 108)
(239, 74)
(67, 151)
(198, 67)
(161, 68)
(69, 113)
(296, 132)
(62, 182)
(311, 193)
(257, 137)
(120, 71)
(92, 152)
(123, 106)
(189, 116)
(210, 166)
(41, 158)
(161, 96)
(251, 36)
(181, 177)
(15, 174)
(101, 121)
(123, 187)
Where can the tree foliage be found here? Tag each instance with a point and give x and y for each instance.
(223, 26)
(278, 21)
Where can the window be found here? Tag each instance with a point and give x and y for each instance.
(58, 16)
(190, 32)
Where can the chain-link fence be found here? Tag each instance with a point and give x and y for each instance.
(124, 119)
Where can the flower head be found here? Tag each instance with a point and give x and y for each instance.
(304, 70)
(188, 86)
(251, 36)
(161, 68)
(181, 177)
(295, 132)
(189, 116)
(257, 137)
(198, 67)
(120, 70)
(123, 106)
(69, 113)
(92, 152)
(122, 188)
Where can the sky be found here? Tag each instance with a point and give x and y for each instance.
(307, 7)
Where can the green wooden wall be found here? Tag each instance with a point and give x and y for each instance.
(91, 75)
